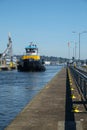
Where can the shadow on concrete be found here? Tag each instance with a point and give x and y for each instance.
(69, 115)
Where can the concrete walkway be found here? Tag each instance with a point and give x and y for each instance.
(46, 109)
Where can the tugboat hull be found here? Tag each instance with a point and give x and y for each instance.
(31, 66)
(31, 60)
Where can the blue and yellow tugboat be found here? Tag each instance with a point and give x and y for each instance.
(31, 60)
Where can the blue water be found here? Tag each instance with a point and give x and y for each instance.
(18, 88)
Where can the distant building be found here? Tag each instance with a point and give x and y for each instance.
(47, 62)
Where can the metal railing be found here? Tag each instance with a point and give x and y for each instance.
(81, 81)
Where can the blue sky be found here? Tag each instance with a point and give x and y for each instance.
(47, 23)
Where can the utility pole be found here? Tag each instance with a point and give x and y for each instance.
(79, 40)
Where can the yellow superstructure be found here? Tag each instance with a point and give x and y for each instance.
(35, 57)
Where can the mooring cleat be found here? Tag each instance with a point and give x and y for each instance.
(72, 88)
(73, 97)
(75, 109)
(70, 84)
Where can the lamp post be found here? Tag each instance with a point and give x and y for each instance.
(75, 50)
(79, 40)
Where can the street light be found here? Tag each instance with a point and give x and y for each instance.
(79, 39)
(75, 49)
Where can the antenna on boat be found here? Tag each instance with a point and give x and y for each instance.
(31, 43)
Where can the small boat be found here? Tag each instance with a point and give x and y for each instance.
(31, 61)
